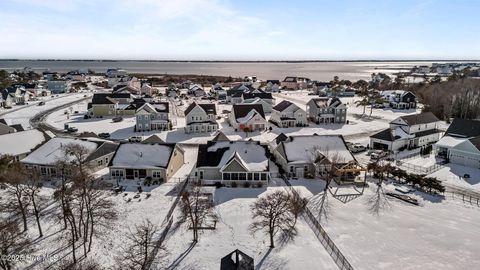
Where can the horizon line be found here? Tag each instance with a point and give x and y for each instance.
(242, 61)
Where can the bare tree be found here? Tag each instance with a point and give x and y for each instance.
(33, 185)
(379, 200)
(140, 245)
(13, 175)
(196, 208)
(12, 242)
(271, 214)
(297, 204)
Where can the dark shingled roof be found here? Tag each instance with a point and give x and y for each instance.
(104, 149)
(241, 110)
(209, 108)
(476, 141)
(464, 128)
(153, 139)
(106, 98)
(220, 137)
(422, 118)
(18, 127)
(280, 107)
(281, 138)
(385, 135)
(2, 121)
(209, 159)
(262, 95)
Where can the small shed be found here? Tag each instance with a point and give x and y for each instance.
(237, 260)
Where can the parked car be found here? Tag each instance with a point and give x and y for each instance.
(41, 103)
(135, 139)
(72, 129)
(117, 119)
(104, 135)
(357, 148)
(378, 154)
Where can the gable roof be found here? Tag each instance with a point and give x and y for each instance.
(220, 137)
(209, 108)
(421, 118)
(242, 110)
(261, 95)
(218, 154)
(280, 107)
(464, 128)
(300, 149)
(280, 138)
(385, 135)
(153, 139)
(30, 139)
(142, 156)
(324, 102)
(108, 98)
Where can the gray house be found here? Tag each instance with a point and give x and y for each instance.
(229, 162)
(152, 116)
(57, 86)
(326, 110)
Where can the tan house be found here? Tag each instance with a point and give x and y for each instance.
(138, 161)
(111, 104)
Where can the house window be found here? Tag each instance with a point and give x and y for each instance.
(117, 173)
(250, 176)
(242, 176)
(256, 176)
(200, 175)
(43, 170)
(234, 176)
(156, 174)
(264, 176)
(226, 176)
(100, 162)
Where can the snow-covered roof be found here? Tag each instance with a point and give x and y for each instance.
(142, 156)
(53, 150)
(301, 149)
(18, 143)
(251, 154)
(449, 141)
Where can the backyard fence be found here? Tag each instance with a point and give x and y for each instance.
(332, 249)
(465, 195)
(419, 169)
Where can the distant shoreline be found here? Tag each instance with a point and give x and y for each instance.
(246, 61)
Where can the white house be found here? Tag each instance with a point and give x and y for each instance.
(249, 116)
(228, 162)
(287, 114)
(461, 143)
(200, 118)
(196, 90)
(410, 131)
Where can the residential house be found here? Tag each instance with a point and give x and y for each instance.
(152, 116)
(326, 110)
(259, 97)
(20, 144)
(399, 99)
(196, 90)
(45, 157)
(461, 143)
(201, 118)
(287, 114)
(312, 156)
(232, 163)
(146, 89)
(138, 161)
(235, 93)
(111, 104)
(57, 86)
(272, 86)
(128, 89)
(249, 116)
(115, 72)
(410, 131)
(295, 83)
(5, 128)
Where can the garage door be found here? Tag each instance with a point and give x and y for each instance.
(299, 172)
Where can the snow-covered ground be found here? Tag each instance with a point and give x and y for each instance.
(439, 234)
(233, 207)
(453, 174)
(24, 115)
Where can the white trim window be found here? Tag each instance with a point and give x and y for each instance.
(156, 174)
(117, 173)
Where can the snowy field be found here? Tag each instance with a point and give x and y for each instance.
(453, 174)
(24, 115)
(233, 207)
(439, 234)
